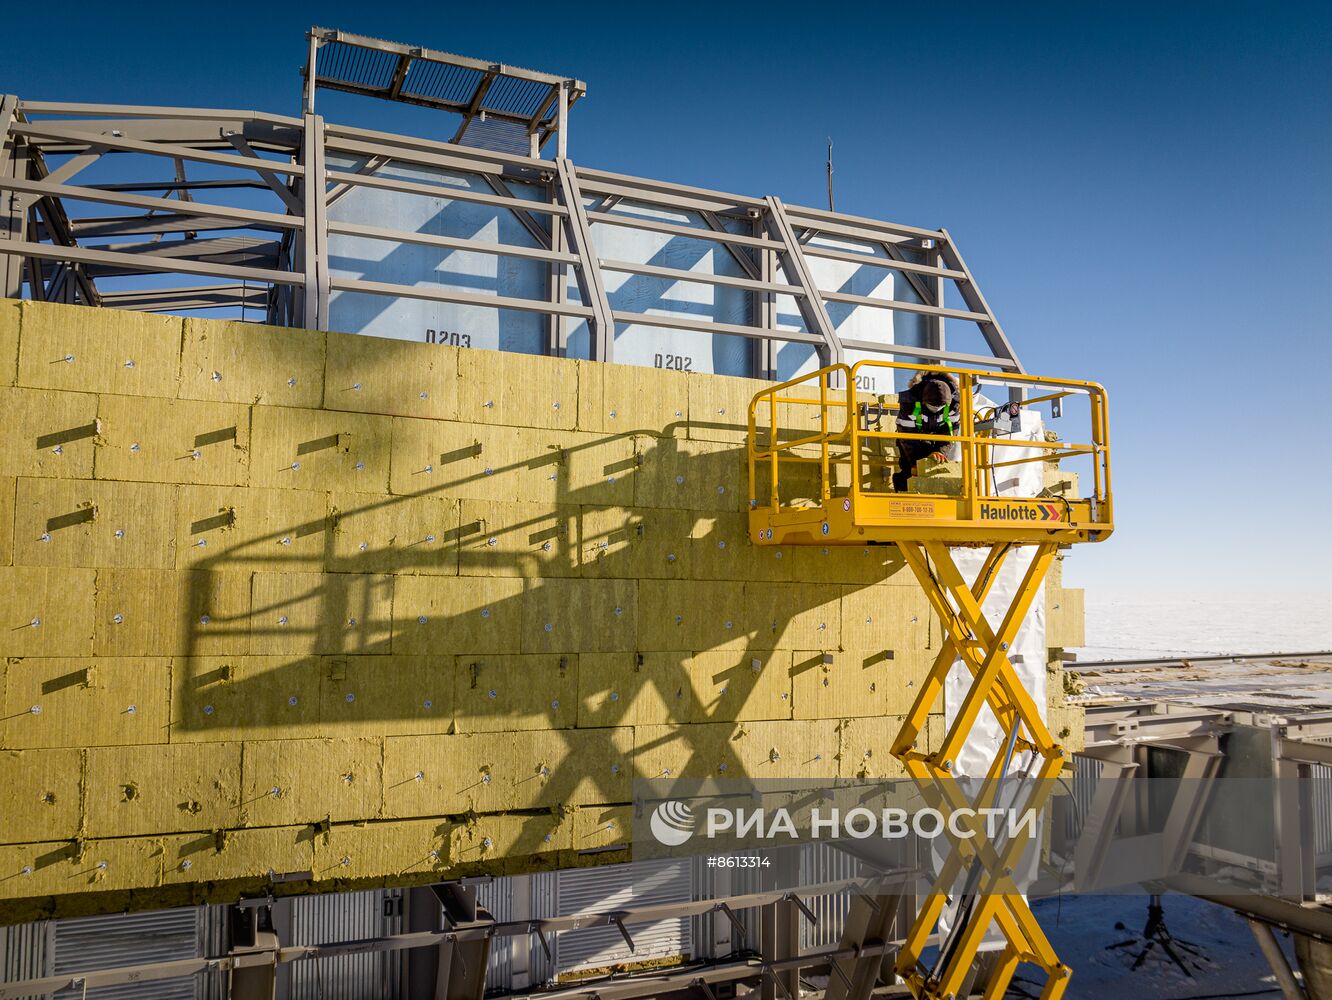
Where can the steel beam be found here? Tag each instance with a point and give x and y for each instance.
(52, 130)
(1276, 959)
(141, 262)
(590, 284)
(12, 217)
(538, 232)
(792, 260)
(240, 217)
(971, 295)
(450, 243)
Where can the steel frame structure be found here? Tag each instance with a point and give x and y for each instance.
(462, 943)
(53, 229)
(535, 105)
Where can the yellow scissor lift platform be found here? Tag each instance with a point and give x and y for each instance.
(821, 446)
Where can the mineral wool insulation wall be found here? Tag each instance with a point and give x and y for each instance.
(282, 601)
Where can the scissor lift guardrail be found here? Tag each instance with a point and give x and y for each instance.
(979, 871)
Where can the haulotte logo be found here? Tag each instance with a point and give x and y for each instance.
(672, 823)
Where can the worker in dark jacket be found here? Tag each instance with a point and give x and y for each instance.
(928, 405)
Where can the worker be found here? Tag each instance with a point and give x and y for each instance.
(930, 404)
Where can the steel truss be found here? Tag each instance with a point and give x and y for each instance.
(463, 943)
(59, 237)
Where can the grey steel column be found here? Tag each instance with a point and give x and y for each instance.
(602, 323)
(1276, 958)
(12, 213)
(314, 236)
(797, 273)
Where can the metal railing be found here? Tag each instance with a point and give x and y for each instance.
(981, 441)
(59, 238)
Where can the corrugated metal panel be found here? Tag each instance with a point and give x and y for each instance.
(1086, 774)
(643, 883)
(342, 916)
(106, 942)
(25, 951)
(497, 897)
(544, 900)
(1320, 797)
(215, 939)
(824, 863)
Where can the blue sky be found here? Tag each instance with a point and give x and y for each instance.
(1142, 190)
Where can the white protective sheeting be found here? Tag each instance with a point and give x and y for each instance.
(986, 737)
(1027, 651)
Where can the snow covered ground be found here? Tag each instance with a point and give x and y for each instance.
(1082, 929)
(1124, 626)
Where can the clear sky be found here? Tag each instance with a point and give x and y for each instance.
(1141, 189)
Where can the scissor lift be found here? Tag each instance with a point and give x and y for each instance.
(818, 436)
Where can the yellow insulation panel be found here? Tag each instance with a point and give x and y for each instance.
(475, 461)
(865, 564)
(635, 689)
(213, 610)
(532, 769)
(708, 750)
(696, 614)
(86, 702)
(173, 441)
(719, 407)
(99, 350)
(721, 550)
(66, 868)
(364, 854)
(50, 434)
(741, 685)
(77, 522)
(398, 377)
(304, 781)
(434, 615)
(594, 468)
(519, 390)
(230, 362)
(885, 617)
(402, 535)
(319, 450)
(236, 854)
(7, 490)
(628, 399)
(793, 615)
(1065, 618)
(40, 794)
(599, 827)
(864, 746)
(499, 538)
(224, 698)
(253, 529)
(281, 654)
(45, 611)
(9, 340)
(599, 616)
(506, 693)
(165, 788)
(321, 613)
(491, 839)
(636, 543)
(386, 695)
(695, 475)
(168, 612)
